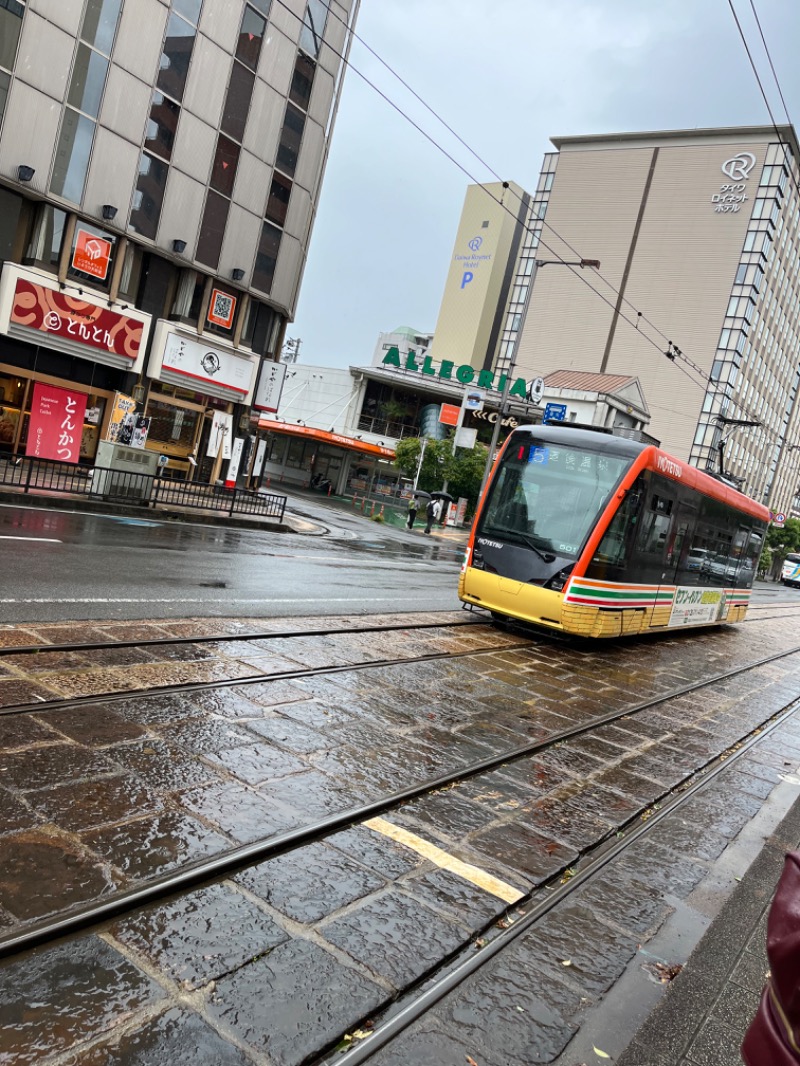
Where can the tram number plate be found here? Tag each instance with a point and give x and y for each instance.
(695, 606)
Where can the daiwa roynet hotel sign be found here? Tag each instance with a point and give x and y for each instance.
(447, 371)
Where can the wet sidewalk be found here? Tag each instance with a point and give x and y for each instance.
(703, 1017)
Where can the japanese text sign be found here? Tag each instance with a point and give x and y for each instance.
(82, 322)
(91, 254)
(56, 423)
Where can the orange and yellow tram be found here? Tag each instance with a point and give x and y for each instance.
(600, 536)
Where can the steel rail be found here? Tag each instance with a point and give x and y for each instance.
(38, 649)
(555, 894)
(193, 875)
(75, 702)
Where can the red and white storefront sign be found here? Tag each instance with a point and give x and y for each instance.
(92, 254)
(33, 309)
(56, 423)
(191, 362)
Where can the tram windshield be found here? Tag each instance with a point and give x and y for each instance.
(547, 497)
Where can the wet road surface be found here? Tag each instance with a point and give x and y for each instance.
(60, 565)
(279, 961)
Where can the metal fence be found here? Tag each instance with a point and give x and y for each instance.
(123, 486)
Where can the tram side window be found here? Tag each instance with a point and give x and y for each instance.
(653, 541)
(752, 555)
(615, 548)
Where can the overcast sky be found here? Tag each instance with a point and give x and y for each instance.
(506, 75)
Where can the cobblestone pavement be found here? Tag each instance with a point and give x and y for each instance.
(278, 962)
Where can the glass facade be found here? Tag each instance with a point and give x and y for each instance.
(512, 320)
(754, 374)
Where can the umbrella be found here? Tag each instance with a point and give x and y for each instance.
(442, 496)
(421, 494)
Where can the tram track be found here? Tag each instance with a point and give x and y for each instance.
(547, 897)
(43, 706)
(222, 638)
(223, 864)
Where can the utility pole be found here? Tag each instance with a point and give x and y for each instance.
(419, 464)
(512, 365)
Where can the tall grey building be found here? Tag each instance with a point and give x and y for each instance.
(160, 166)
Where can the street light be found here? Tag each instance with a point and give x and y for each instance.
(512, 364)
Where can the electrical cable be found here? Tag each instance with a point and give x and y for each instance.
(674, 353)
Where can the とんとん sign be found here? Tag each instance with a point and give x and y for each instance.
(466, 375)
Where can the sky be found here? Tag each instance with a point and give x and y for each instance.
(505, 75)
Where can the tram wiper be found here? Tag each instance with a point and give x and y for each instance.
(548, 557)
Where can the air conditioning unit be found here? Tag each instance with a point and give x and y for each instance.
(124, 473)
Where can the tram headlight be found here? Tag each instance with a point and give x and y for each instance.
(558, 582)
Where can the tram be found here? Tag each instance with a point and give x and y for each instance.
(597, 535)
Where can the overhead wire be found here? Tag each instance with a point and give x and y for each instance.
(673, 353)
(448, 155)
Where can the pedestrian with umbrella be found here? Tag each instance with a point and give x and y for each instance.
(413, 506)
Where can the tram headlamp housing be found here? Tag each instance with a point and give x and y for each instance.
(558, 582)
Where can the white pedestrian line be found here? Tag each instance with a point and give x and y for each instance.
(394, 598)
(41, 540)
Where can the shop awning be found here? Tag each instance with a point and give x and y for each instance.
(351, 443)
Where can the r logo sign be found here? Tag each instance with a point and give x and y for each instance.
(738, 168)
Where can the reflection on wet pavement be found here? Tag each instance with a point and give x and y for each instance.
(292, 952)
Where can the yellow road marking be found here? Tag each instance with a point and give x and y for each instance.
(493, 885)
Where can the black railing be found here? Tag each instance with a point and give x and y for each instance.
(126, 486)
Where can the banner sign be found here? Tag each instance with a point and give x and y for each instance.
(270, 387)
(56, 423)
(261, 451)
(200, 362)
(694, 606)
(449, 414)
(52, 312)
(220, 435)
(233, 465)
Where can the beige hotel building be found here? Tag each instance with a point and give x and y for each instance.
(697, 235)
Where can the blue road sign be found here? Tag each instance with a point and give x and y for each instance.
(555, 412)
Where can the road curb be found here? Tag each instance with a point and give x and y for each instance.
(76, 503)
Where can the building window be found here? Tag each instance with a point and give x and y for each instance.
(266, 258)
(175, 57)
(226, 160)
(162, 125)
(251, 36)
(100, 23)
(5, 80)
(313, 27)
(131, 271)
(148, 196)
(190, 9)
(263, 6)
(302, 81)
(11, 12)
(72, 155)
(88, 79)
(44, 247)
(278, 204)
(237, 101)
(291, 136)
(212, 230)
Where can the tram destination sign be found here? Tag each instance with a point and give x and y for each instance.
(448, 371)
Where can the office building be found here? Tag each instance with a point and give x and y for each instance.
(160, 167)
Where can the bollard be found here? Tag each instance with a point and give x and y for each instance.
(381, 514)
(330, 487)
(372, 512)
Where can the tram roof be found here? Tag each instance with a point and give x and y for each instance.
(586, 438)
